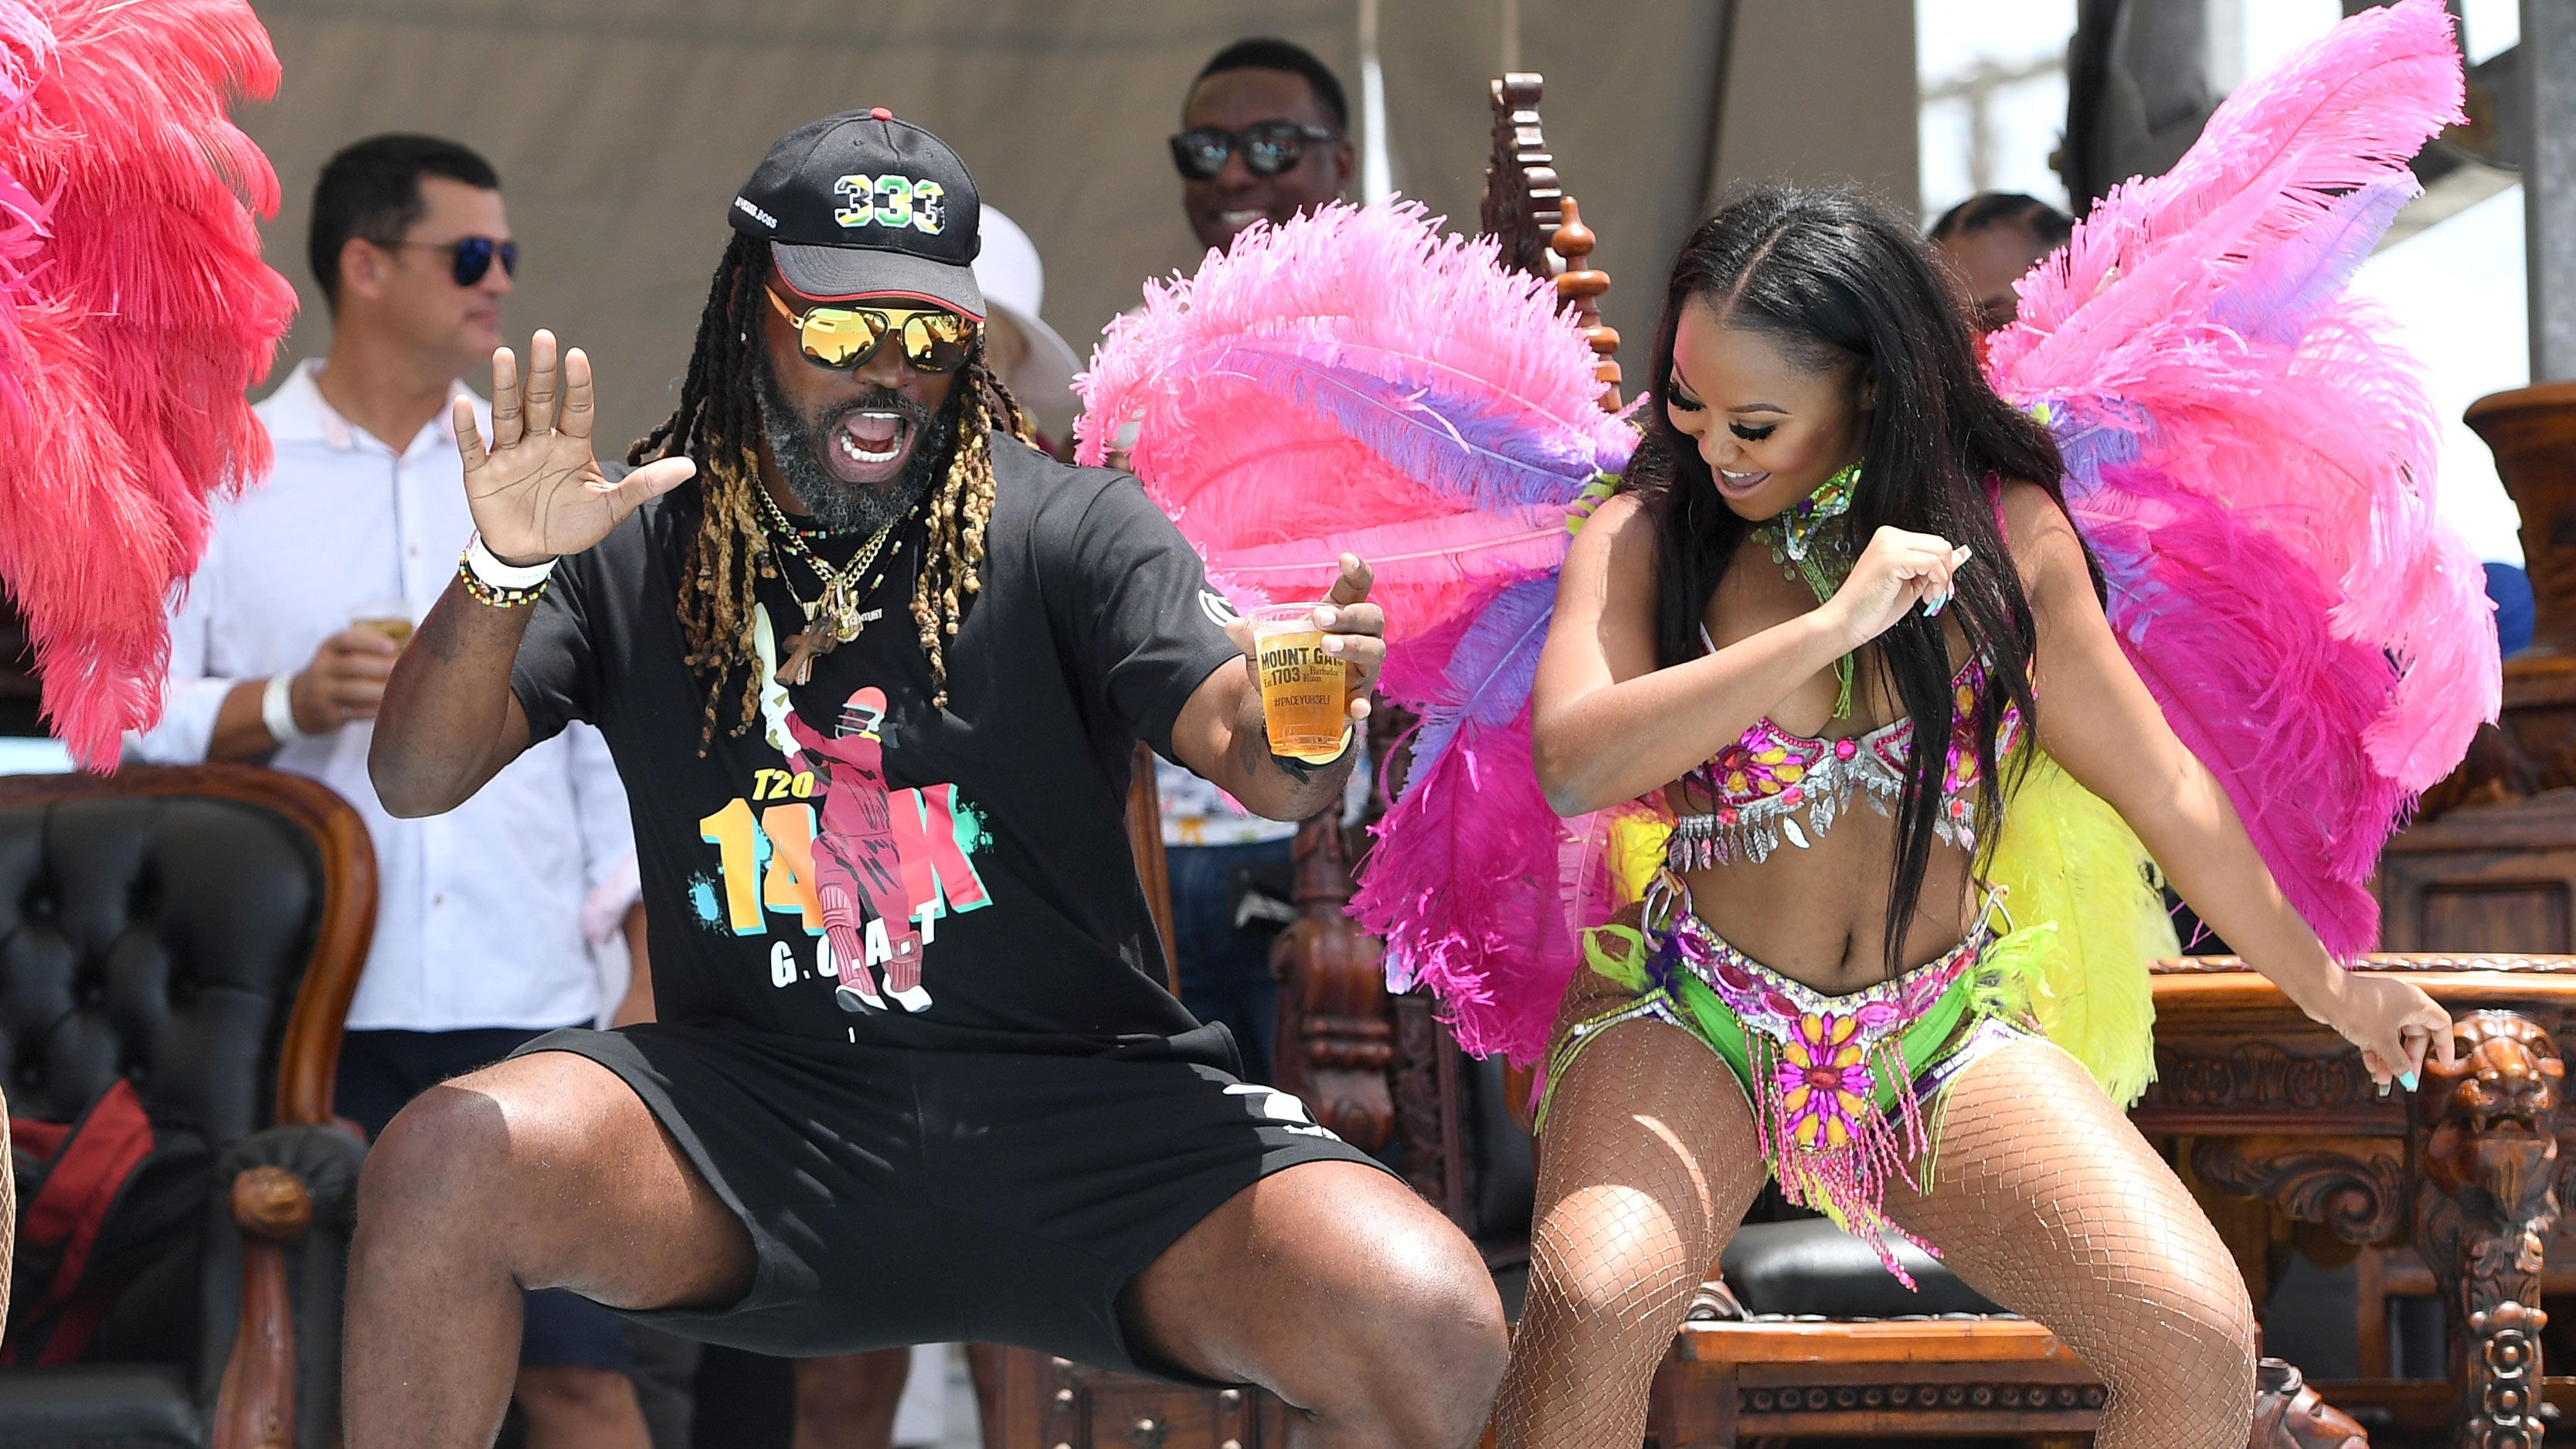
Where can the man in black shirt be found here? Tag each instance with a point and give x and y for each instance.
(873, 680)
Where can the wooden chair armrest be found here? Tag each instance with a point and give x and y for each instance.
(255, 1407)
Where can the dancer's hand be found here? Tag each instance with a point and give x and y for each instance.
(537, 491)
(1897, 571)
(2393, 1022)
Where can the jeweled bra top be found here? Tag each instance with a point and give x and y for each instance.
(1763, 782)
(1759, 785)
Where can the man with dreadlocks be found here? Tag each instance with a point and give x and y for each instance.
(837, 568)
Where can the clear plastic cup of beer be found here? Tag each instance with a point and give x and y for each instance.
(1304, 700)
(388, 616)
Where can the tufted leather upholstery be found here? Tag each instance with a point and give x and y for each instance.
(199, 933)
(159, 939)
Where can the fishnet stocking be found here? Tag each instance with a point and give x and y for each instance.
(8, 1214)
(2047, 1201)
(1647, 1164)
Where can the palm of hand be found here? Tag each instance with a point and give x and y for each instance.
(541, 496)
(537, 492)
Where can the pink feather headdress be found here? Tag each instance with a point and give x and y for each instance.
(1356, 381)
(2254, 465)
(134, 312)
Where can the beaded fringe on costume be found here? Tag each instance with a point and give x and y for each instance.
(1839, 1110)
(1818, 1062)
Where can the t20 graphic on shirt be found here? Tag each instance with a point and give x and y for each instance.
(870, 877)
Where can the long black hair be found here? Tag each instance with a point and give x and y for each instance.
(1838, 282)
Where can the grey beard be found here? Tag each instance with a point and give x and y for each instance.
(796, 443)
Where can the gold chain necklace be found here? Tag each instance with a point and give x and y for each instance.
(833, 617)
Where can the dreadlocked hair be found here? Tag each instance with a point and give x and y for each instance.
(961, 508)
(717, 427)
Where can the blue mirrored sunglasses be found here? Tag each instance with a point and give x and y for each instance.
(471, 256)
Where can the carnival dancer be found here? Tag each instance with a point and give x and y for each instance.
(1843, 576)
(1051, 1152)
(2169, 564)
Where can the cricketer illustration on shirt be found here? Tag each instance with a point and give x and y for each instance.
(866, 870)
(856, 861)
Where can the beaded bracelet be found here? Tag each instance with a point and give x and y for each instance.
(497, 596)
(501, 585)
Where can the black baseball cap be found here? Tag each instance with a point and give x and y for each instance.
(863, 205)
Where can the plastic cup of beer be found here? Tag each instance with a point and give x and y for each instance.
(389, 617)
(1303, 699)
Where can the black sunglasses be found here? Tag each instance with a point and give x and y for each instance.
(472, 256)
(1268, 147)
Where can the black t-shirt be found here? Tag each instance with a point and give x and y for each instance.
(976, 857)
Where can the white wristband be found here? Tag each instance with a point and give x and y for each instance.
(277, 709)
(488, 567)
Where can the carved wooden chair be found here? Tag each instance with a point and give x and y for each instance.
(199, 933)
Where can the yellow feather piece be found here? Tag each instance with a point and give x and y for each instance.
(2064, 855)
(1636, 853)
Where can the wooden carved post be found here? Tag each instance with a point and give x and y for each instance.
(1521, 207)
(258, 1395)
(2484, 1136)
(1335, 1044)
(1578, 291)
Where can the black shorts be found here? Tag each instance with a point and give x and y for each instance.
(897, 1196)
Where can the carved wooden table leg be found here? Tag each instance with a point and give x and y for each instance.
(2484, 1136)
(1335, 1044)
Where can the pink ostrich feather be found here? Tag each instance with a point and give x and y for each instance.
(138, 313)
(2255, 467)
(1354, 381)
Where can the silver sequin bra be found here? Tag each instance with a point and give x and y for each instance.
(1769, 777)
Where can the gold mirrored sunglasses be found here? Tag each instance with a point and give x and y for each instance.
(842, 337)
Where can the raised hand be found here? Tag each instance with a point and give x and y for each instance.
(1894, 573)
(537, 490)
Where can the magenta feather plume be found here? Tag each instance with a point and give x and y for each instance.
(1354, 381)
(1465, 887)
(2254, 466)
(137, 312)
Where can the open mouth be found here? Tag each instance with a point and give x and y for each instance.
(1238, 220)
(869, 446)
(1740, 484)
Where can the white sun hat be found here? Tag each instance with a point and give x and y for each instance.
(1014, 283)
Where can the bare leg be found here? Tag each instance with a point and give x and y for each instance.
(984, 1366)
(541, 1172)
(1646, 1167)
(2047, 1201)
(848, 1401)
(576, 1406)
(1335, 1287)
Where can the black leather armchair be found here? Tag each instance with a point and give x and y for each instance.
(198, 932)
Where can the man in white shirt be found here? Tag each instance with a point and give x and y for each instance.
(280, 650)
